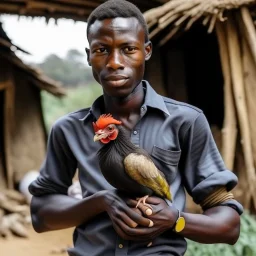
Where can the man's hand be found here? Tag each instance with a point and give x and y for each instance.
(125, 219)
(133, 223)
(163, 217)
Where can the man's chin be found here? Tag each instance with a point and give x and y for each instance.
(118, 93)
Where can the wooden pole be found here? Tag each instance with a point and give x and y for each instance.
(229, 130)
(249, 30)
(8, 121)
(249, 67)
(239, 96)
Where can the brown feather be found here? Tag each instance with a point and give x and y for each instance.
(143, 170)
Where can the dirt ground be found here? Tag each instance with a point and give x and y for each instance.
(37, 244)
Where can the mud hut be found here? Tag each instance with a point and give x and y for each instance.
(204, 54)
(22, 130)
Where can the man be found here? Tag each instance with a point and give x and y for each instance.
(177, 135)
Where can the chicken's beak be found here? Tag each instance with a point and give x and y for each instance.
(99, 135)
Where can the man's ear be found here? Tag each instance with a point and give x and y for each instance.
(88, 56)
(148, 50)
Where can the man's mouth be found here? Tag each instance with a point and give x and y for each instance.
(116, 80)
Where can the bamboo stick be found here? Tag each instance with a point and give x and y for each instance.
(239, 96)
(164, 24)
(212, 23)
(249, 30)
(168, 36)
(229, 130)
(240, 195)
(250, 91)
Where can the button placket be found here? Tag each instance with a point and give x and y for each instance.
(142, 111)
(135, 138)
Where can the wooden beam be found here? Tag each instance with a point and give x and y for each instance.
(8, 125)
(52, 8)
(4, 8)
(3, 85)
(229, 130)
(77, 3)
(249, 30)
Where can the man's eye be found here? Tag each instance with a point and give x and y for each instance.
(129, 49)
(101, 50)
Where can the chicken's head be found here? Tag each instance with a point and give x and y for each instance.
(105, 128)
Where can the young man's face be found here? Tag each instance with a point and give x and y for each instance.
(117, 54)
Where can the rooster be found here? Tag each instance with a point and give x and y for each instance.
(126, 166)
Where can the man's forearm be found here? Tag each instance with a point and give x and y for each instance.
(54, 212)
(217, 225)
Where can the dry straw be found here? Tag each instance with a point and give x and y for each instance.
(184, 13)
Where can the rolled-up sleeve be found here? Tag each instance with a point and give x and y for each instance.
(202, 166)
(59, 166)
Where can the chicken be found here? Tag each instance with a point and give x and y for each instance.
(126, 166)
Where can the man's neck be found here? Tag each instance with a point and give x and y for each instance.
(126, 109)
(125, 106)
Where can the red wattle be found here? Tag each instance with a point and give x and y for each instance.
(105, 141)
(113, 135)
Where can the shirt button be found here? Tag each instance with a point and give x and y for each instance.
(135, 132)
(120, 246)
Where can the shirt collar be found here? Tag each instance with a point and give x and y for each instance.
(95, 109)
(152, 99)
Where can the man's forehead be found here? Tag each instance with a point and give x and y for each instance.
(118, 24)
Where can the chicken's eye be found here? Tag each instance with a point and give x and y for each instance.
(110, 128)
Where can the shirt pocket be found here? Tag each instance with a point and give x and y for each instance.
(166, 161)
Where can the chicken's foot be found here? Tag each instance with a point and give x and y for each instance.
(143, 200)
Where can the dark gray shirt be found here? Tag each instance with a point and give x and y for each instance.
(177, 136)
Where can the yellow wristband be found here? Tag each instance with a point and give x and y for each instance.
(180, 223)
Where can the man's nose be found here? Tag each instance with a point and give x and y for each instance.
(115, 60)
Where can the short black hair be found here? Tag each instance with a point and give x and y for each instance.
(117, 9)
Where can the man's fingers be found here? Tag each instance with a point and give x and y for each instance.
(140, 234)
(143, 208)
(138, 218)
(137, 210)
(154, 200)
(131, 202)
(128, 220)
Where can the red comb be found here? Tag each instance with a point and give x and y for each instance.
(105, 120)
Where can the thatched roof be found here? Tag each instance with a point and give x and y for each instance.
(35, 76)
(167, 16)
(74, 9)
(176, 15)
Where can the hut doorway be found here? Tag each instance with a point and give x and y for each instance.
(204, 74)
(192, 73)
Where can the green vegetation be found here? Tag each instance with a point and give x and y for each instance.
(76, 76)
(71, 71)
(245, 246)
(77, 98)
